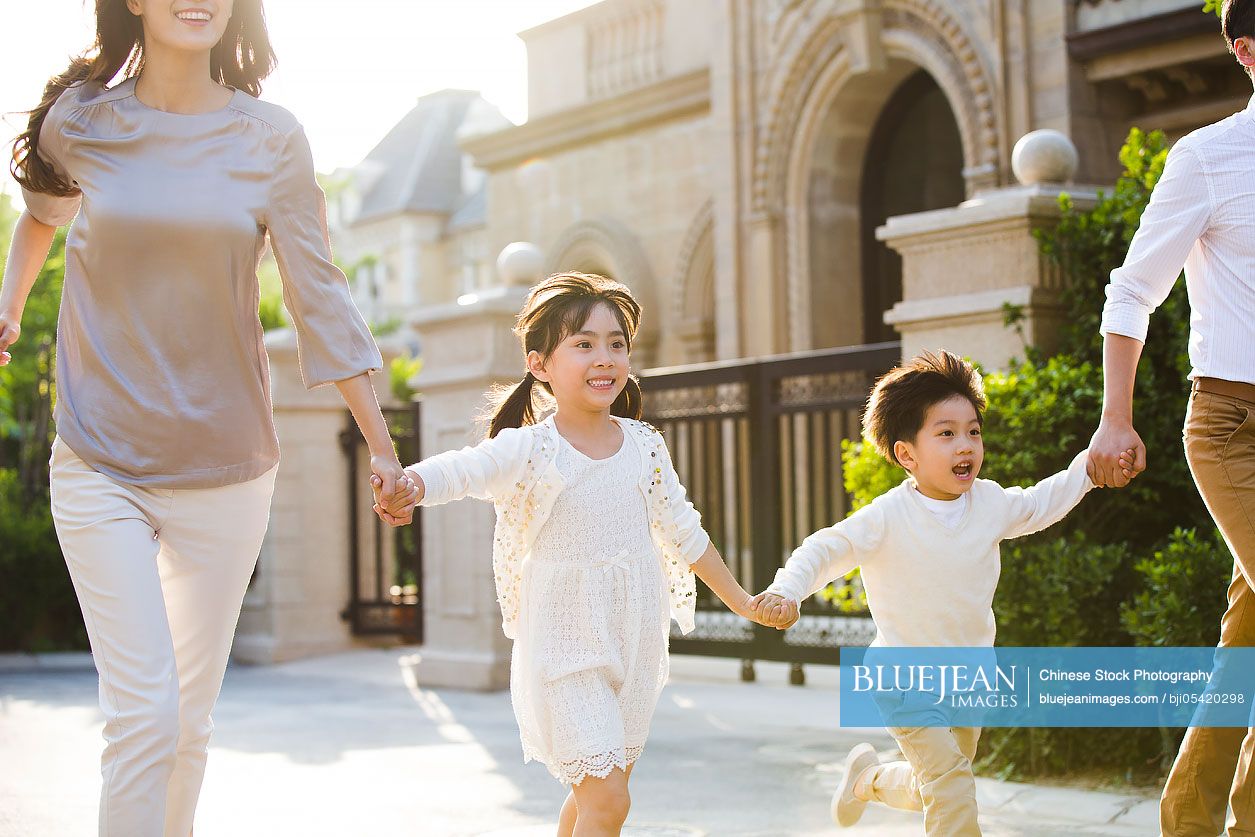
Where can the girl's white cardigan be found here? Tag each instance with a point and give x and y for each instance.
(516, 471)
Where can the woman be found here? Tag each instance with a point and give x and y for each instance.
(165, 460)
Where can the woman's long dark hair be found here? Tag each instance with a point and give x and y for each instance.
(556, 308)
(241, 60)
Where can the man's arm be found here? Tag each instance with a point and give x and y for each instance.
(1115, 432)
(1172, 223)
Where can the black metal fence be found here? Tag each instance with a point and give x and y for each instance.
(385, 564)
(757, 444)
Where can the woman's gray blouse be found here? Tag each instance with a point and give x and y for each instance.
(162, 377)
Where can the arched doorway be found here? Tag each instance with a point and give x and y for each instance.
(887, 143)
(914, 163)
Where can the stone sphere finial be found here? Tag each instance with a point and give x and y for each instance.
(520, 263)
(1045, 156)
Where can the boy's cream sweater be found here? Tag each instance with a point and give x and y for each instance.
(927, 584)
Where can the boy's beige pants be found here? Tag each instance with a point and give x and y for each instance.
(936, 778)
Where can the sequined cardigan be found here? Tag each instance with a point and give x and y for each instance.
(515, 470)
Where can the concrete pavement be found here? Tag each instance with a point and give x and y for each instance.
(344, 745)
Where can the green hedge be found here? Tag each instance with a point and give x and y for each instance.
(38, 610)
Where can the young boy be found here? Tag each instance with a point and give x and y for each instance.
(929, 556)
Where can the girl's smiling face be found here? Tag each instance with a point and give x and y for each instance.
(589, 367)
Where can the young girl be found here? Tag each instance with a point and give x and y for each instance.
(595, 544)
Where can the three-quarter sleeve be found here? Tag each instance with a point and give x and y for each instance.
(54, 210)
(333, 341)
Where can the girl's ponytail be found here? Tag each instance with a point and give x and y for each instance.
(515, 409)
(630, 403)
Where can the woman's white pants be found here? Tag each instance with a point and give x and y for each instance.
(160, 575)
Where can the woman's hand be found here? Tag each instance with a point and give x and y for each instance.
(9, 332)
(399, 510)
(393, 484)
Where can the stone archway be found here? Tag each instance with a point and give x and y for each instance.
(818, 116)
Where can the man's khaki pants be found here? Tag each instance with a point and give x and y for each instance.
(936, 778)
(1213, 767)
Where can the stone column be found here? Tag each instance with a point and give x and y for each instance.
(467, 349)
(961, 267)
(301, 586)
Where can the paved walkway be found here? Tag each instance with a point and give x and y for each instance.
(344, 746)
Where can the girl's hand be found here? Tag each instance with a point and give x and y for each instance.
(9, 332)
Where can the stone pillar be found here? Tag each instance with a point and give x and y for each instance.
(962, 266)
(467, 349)
(301, 586)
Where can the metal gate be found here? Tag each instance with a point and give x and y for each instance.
(757, 445)
(385, 564)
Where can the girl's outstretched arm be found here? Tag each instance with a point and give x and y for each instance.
(481, 471)
(711, 569)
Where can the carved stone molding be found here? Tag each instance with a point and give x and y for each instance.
(817, 40)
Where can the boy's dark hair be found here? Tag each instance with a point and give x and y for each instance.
(901, 398)
(1238, 21)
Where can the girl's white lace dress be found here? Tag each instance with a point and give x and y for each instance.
(591, 655)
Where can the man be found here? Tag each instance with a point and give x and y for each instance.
(1202, 214)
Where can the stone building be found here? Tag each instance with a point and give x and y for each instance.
(731, 160)
(768, 176)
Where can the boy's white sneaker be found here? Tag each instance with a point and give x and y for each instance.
(846, 807)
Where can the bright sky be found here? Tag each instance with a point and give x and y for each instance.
(348, 69)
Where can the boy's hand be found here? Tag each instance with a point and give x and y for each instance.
(1128, 464)
(774, 611)
(399, 509)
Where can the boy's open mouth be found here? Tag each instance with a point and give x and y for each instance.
(963, 471)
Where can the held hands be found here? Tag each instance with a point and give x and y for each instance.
(1116, 454)
(773, 611)
(396, 493)
(9, 331)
